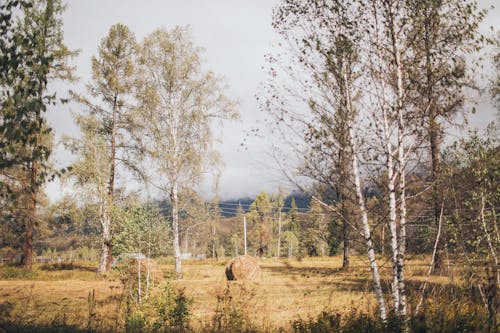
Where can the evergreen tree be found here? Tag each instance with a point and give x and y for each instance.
(36, 55)
(260, 220)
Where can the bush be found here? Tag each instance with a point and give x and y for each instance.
(135, 323)
(173, 310)
(19, 273)
(441, 318)
(234, 310)
(325, 322)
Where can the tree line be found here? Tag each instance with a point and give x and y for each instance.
(147, 112)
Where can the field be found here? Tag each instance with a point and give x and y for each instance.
(70, 295)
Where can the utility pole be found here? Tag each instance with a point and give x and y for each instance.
(245, 231)
(279, 235)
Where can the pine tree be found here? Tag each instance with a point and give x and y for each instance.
(36, 55)
(260, 220)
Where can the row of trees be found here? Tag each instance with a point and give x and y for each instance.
(148, 112)
(373, 86)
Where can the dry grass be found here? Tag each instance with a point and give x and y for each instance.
(285, 290)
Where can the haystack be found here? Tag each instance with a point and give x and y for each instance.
(242, 268)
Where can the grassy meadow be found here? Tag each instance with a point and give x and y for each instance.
(70, 297)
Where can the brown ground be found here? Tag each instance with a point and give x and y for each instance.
(285, 291)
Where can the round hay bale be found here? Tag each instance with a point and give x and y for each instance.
(242, 268)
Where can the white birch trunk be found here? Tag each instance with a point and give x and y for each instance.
(361, 202)
(392, 213)
(391, 177)
(367, 235)
(174, 199)
(401, 310)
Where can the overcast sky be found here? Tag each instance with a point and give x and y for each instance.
(236, 34)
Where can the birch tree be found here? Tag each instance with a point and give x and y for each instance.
(108, 105)
(314, 31)
(327, 39)
(178, 103)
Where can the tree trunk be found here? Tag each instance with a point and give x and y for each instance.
(402, 222)
(434, 143)
(174, 200)
(345, 217)
(343, 192)
(28, 242)
(361, 203)
(345, 237)
(401, 237)
(391, 186)
(106, 244)
(111, 185)
(367, 235)
(139, 290)
(30, 217)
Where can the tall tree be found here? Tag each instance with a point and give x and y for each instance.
(110, 89)
(441, 34)
(260, 217)
(37, 38)
(178, 103)
(322, 51)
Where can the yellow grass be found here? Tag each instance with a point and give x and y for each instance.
(285, 291)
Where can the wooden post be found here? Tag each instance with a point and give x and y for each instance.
(245, 231)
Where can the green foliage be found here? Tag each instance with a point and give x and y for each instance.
(334, 239)
(143, 230)
(325, 322)
(173, 310)
(260, 227)
(314, 231)
(136, 322)
(291, 243)
(439, 318)
(32, 55)
(21, 273)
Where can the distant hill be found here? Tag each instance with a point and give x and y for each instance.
(229, 207)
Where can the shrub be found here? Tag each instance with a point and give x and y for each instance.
(20, 273)
(173, 310)
(234, 311)
(136, 322)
